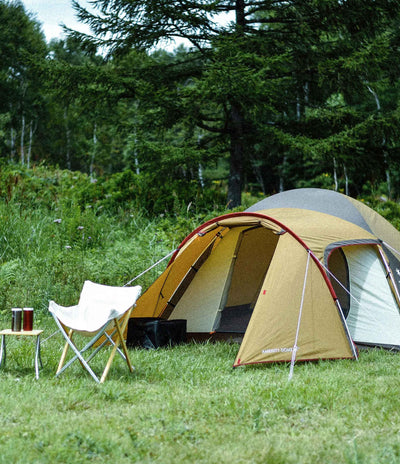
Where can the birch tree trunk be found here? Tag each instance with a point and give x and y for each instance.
(67, 139)
(335, 178)
(22, 148)
(387, 171)
(12, 144)
(28, 160)
(93, 151)
(346, 177)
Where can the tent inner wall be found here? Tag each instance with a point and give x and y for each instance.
(372, 312)
(255, 249)
(223, 292)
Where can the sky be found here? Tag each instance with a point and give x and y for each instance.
(51, 13)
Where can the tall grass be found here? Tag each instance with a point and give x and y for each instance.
(58, 229)
(48, 254)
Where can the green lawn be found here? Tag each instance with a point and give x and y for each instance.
(187, 405)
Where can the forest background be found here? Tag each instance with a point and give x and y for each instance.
(262, 96)
(113, 148)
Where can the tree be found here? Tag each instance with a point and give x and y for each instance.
(80, 87)
(255, 76)
(22, 45)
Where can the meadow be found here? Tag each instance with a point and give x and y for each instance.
(187, 404)
(182, 404)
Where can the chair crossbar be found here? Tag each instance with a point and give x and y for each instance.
(110, 340)
(78, 354)
(117, 331)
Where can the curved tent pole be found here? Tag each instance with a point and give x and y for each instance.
(200, 229)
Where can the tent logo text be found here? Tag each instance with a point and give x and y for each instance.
(277, 350)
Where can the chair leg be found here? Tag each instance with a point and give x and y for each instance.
(64, 353)
(119, 339)
(123, 344)
(75, 350)
(109, 362)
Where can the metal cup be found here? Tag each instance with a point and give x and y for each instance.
(28, 319)
(16, 319)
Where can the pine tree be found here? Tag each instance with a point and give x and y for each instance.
(262, 72)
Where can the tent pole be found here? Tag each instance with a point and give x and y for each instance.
(295, 347)
(151, 267)
(389, 275)
(346, 327)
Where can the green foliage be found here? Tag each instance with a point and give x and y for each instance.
(60, 190)
(58, 228)
(277, 96)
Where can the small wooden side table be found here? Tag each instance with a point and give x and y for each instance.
(22, 333)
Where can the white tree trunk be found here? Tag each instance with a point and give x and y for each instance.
(22, 140)
(346, 180)
(12, 144)
(28, 160)
(259, 177)
(387, 171)
(335, 178)
(67, 139)
(135, 154)
(201, 178)
(93, 151)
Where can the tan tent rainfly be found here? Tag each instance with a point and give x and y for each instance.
(297, 283)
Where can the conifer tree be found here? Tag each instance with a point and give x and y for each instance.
(261, 73)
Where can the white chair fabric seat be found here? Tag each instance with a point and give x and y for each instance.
(100, 307)
(98, 304)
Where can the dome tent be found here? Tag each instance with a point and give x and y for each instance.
(304, 275)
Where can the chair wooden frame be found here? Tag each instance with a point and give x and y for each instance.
(112, 332)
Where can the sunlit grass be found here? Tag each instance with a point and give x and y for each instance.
(187, 404)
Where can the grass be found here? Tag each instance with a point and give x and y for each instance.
(186, 404)
(181, 405)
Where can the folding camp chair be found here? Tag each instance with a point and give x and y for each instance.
(102, 314)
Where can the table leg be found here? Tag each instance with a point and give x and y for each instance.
(38, 359)
(3, 350)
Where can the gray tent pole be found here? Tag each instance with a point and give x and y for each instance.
(151, 267)
(294, 349)
(389, 274)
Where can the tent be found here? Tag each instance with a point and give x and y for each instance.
(305, 274)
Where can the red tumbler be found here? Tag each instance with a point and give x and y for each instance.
(28, 319)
